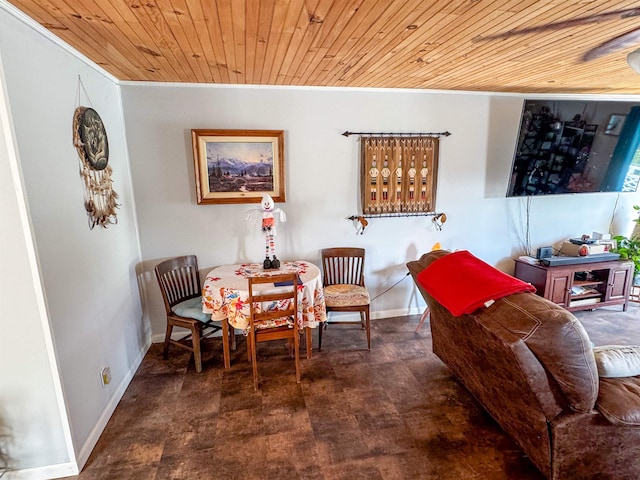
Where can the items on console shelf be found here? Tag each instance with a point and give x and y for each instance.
(544, 252)
(580, 290)
(597, 247)
(528, 259)
(587, 245)
(594, 238)
(566, 260)
(581, 250)
(585, 239)
(585, 301)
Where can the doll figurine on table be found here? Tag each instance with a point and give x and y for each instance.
(268, 227)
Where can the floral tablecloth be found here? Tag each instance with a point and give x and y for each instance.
(225, 292)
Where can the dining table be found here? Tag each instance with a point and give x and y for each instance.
(225, 295)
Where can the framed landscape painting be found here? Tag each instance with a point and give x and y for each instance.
(238, 166)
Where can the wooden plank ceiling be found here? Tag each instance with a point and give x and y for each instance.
(477, 45)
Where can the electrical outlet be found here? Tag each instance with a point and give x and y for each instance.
(105, 376)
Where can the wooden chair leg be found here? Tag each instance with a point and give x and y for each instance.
(320, 328)
(167, 337)
(226, 355)
(424, 316)
(196, 333)
(307, 337)
(296, 349)
(251, 342)
(368, 327)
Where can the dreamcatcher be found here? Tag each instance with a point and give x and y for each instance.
(90, 140)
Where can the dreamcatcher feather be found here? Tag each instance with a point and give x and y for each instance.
(90, 140)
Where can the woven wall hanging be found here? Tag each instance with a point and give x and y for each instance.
(92, 145)
(399, 174)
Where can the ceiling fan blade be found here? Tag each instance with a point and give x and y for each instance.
(626, 40)
(624, 13)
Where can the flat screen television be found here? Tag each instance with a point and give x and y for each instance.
(576, 146)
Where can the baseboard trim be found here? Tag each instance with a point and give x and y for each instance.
(42, 473)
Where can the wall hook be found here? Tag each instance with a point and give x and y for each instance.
(361, 223)
(439, 220)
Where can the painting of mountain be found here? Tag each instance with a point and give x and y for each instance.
(240, 166)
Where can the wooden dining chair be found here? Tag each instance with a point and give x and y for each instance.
(179, 281)
(273, 316)
(344, 288)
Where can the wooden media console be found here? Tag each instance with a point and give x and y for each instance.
(580, 286)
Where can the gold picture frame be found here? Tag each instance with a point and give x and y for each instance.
(238, 166)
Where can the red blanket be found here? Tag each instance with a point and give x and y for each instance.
(463, 283)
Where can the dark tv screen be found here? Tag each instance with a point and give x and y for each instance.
(576, 146)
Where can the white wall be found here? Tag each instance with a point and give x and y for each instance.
(88, 277)
(322, 180)
(33, 421)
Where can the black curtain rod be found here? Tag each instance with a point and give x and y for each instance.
(397, 214)
(419, 134)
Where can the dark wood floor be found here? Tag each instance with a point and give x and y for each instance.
(394, 412)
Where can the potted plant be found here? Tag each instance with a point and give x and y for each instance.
(629, 249)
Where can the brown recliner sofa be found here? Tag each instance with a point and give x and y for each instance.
(531, 365)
